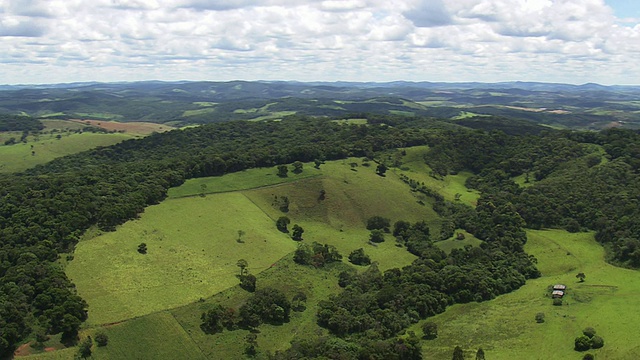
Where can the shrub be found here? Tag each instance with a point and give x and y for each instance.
(588, 357)
(557, 302)
(589, 332)
(430, 330)
(582, 343)
(597, 342)
(540, 318)
(358, 257)
(376, 236)
(102, 339)
(378, 223)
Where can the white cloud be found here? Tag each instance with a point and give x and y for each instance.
(369, 40)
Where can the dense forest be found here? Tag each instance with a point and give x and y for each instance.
(576, 180)
(19, 123)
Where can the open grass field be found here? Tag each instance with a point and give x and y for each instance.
(506, 329)
(242, 180)
(136, 128)
(156, 336)
(448, 187)
(286, 276)
(453, 243)
(19, 157)
(192, 254)
(351, 197)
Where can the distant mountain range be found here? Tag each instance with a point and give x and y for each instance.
(587, 106)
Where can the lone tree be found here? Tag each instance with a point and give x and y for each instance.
(283, 170)
(102, 339)
(540, 318)
(317, 163)
(242, 264)
(142, 248)
(251, 341)
(378, 223)
(430, 330)
(84, 349)
(282, 223)
(480, 354)
(381, 169)
(582, 343)
(248, 282)
(458, 354)
(376, 236)
(358, 257)
(581, 276)
(240, 235)
(297, 232)
(297, 167)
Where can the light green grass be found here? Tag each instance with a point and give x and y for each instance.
(351, 198)
(506, 329)
(188, 113)
(351, 121)
(61, 124)
(274, 115)
(247, 179)
(157, 336)
(402, 112)
(466, 114)
(453, 243)
(18, 157)
(101, 116)
(192, 253)
(205, 103)
(448, 187)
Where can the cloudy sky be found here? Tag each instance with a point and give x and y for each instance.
(572, 41)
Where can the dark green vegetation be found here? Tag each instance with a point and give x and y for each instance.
(577, 181)
(474, 105)
(19, 123)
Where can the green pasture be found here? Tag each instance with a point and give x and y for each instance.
(351, 121)
(286, 276)
(506, 328)
(242, 180)
(453, 243)
(19, 157)
(466, 114)
(415, 168)
(156, 336)
(50, 124)
(192, 254)
(196, 112)
(352, 195)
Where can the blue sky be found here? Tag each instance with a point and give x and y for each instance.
(625, 8)
(571, 41)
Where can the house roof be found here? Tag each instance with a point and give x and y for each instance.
(559, 287)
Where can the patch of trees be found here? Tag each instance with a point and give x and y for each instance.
(317, 254)
(10, 122)
(45, 210)
(380, 305)
(267, 305)
(358, 257)
(407, 348)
